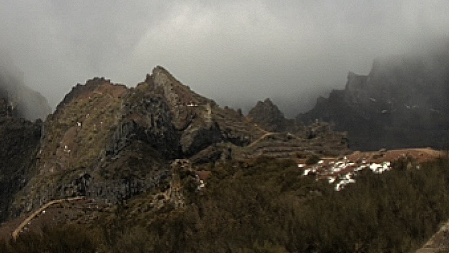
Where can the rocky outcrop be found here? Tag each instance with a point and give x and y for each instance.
(110, 142)
(268, 116)
(401, 103)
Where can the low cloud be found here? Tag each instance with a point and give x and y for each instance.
(236, 52)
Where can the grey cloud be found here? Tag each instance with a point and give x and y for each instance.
(236, 52)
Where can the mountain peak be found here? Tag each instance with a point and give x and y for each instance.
(268, 116)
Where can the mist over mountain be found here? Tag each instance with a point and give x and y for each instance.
(22, 101)
(402, 102)
(292, 51)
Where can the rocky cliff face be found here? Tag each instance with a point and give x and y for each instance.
(18, 146)
(401, 103)
(109, 142)
(19, 137)
(92, 146)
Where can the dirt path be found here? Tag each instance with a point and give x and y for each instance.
(16, 232)
(260, 139)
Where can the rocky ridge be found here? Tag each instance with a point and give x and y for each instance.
(400, 103)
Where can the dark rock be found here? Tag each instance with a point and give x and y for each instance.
(268, 116)
(18, 146)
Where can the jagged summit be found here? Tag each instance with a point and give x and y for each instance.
(268, 116)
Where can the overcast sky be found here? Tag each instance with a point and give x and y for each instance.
(235, 52)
